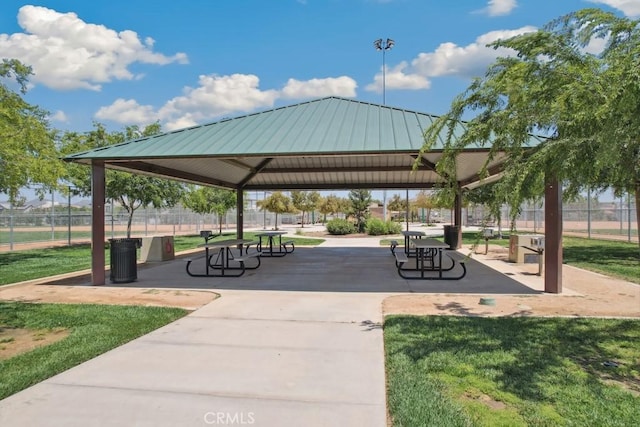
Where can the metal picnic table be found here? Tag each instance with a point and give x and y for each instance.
(222, 266)
(270, 247)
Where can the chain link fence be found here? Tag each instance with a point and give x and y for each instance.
(66, 224)
(615, 220)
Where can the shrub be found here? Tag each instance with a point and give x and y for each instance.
(340, 226)
(393, 227)
(377, 227)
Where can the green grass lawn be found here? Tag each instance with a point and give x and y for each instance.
(18, 266)
(94, 329)
(616, 259)
(40, 236)
(470, 371)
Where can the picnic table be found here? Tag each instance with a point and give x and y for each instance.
(409, 236)
(271, 248)
(226, 263)
(428, 259)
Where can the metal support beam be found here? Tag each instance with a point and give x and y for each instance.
(97, 222)
(553, 236)
(263, 164)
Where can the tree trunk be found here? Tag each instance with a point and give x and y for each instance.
(302, 220)
(220, 225)
(129, 221)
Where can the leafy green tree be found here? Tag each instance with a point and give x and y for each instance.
(425, 201)
(28, 153)
(586, 104)
(73, 142)
(329, 205)
(207, 200)
(131, 191)
(277, 203)
(344, 205)
(138, 191)
(305, 201)
(360, 202)
(486, 195)
(397, 203)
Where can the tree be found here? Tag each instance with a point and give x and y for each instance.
(131, 191)
(206, 200)
(425, 201)
(344, 205)
(277, 203)
(586, 105)
(360, 202)
(27, 149)
(487, 195)
(305, 201)
(397, 204)
(137, 191)
(329, 205)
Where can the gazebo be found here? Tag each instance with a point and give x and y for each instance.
(325, 144)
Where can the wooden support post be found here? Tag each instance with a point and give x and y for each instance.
(97, 222)
(553, 236)
(457, 220)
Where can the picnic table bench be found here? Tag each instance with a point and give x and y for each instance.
(428, 259)
(227, 263)
(273, 248)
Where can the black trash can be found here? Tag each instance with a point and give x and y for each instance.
(451, 236)
(124, 268)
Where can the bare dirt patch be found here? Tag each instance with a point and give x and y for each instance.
(584, 294)
(15, 341)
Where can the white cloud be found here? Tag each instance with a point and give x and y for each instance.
(68, 53)
(315, 88)
(630, 8)
(500, 7)
(59, 116)
(448, 59)
(128, 111)
(217, 96)
(468, 61)
(396, 78)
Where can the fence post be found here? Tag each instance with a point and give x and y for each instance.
(10, 226)
(53, 217)
(69, 218)
(589, 213)
(629, 217)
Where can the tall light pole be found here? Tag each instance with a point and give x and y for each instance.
(384, 46)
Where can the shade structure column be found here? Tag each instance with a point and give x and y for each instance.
(239, 213)
(98, 185)
(553, 236)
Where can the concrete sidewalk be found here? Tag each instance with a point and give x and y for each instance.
(297, 342)
(248, 358)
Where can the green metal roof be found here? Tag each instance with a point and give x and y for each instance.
(326, 125)
(329, 143)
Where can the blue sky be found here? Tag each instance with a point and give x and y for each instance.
(197, 61)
